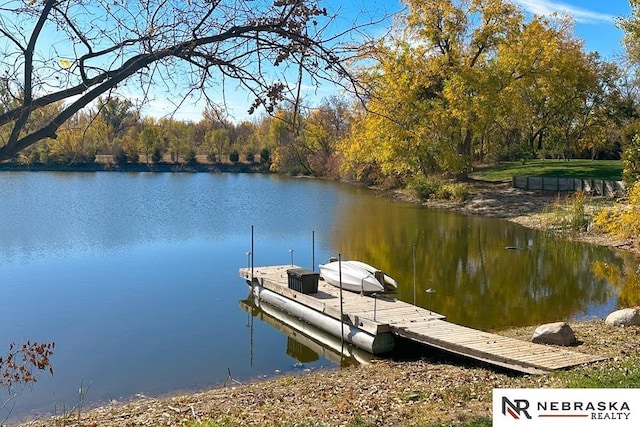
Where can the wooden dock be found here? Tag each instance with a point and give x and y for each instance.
(384, 315)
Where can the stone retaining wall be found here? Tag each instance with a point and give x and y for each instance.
(595, 187)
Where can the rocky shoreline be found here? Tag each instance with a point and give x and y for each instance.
(429, 389)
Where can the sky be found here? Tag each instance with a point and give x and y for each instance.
(594, 24)
(594, 21)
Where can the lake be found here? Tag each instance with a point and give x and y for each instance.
(134, 276)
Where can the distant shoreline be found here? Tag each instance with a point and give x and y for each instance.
(489, 199)
(136, 167)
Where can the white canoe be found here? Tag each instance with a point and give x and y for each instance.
(351, 277)
(389, 282)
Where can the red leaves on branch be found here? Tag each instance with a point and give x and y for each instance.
(17, 367)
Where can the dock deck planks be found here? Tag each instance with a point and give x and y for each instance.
(384, 314)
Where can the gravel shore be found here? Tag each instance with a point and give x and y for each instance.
(386, 393)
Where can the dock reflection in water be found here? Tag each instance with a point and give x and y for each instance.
(303, 338)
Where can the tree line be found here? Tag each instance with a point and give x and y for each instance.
(453, 83)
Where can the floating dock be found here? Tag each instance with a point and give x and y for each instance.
(371, 322)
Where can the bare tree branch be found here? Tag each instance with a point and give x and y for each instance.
(195, 45)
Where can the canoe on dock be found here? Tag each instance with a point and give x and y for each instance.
(357, 276)
(350, 277)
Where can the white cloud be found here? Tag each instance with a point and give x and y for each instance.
(546, 7)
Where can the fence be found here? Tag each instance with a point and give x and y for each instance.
(596, 187)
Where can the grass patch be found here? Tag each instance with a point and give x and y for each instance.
(569, 214)
(597, 169)
(610, 374)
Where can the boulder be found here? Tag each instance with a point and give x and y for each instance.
(558, 333)
(624, 317)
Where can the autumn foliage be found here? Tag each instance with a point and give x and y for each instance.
(622, 220)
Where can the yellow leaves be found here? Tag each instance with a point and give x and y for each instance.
(623, 278)
(622, 220)
(634, 195)
(64, 63)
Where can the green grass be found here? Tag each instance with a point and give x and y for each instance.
(597, 169)
(610, 374)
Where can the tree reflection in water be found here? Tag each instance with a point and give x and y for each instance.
(488, 273)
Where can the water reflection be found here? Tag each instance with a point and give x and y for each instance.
(625, 278)
(305, 342)
(134, 276)
(488, 274)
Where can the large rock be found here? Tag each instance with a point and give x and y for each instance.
(624, 317)
(558, 333)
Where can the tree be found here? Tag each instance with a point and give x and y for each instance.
(552, 93)
(471, 80)
(149, 139)
(430, 87)
(216, 143)
(101, 46)
(290, 154)
(323, 129)
(631, 163)
(118, 115)
(179, 136)
(631, 153)
(631, 27)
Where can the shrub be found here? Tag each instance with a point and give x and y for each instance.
(622, 220)
(234, 156)
(516, 153)
(265, 155)
(190, 158)
(455, 191)
(571, 215)
(631, 161)
(426, 187)
(156, 156)
(119, 156)
(19, 367)
(422, 186)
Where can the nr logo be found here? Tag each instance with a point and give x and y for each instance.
(516, 408)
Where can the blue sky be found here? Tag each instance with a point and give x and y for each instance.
(594, 20)
(594, 23)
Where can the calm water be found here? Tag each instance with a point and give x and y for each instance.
(134, 276)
